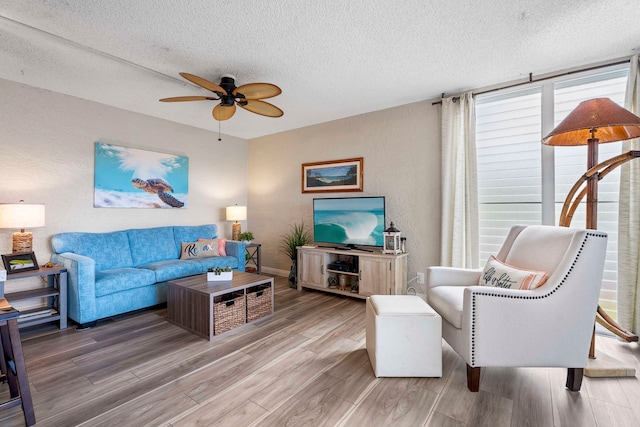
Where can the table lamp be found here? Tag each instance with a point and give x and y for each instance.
(236, 213)
(21, 215)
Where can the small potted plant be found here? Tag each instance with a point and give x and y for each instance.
(219, 274)
(246, 237)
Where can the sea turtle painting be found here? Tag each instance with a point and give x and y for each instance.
(160, 187)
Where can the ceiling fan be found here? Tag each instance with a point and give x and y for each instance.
(247, 96)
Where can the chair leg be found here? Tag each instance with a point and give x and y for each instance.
(574, 378)
(473, 378)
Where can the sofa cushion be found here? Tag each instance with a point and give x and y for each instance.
(122, 279)
(448, 301)
(108, 250)
(152, 244)
(173, 269)
(500, 275)
(217, 261)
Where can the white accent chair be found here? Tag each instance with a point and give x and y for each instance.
(550, 326)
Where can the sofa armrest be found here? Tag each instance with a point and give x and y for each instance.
(237, 250)
(452, 276)
(81, 285)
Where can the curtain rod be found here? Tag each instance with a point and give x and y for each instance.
(532, 80)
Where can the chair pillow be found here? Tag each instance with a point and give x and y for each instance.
(501, 275)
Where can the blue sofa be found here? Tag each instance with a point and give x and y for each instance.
(116, 272)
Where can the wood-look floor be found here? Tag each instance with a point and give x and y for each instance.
(305, 366)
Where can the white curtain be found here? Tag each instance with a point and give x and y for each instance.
(459, 240)
(629, 219)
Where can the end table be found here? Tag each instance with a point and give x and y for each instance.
(55, 293)
(253, 258)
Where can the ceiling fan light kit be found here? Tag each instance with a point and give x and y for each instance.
(248, 96)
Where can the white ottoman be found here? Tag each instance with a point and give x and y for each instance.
(404, 337)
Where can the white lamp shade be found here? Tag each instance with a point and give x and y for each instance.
(21, 215)
(236, 213)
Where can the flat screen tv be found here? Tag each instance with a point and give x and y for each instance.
(349, 221)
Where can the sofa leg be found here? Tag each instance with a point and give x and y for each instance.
(574, 378)
(473, 378)
(87, 325)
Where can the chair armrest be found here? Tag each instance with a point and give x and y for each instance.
(452, 276)
(511, 327)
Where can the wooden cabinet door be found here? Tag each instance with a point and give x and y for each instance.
(311, 268)
(375, 274)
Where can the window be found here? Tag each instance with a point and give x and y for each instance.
(520, 181)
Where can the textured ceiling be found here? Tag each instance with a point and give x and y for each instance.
(332, 58)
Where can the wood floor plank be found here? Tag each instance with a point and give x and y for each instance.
(527, 389)
(305, 365)
(356, 374)
(456, 402)
(608, 414)
(314, 405)
(439, 420)
(243, 415)
(394, 402)
(150, 410)
(570, 408)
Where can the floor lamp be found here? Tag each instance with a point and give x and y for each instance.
(594, 122)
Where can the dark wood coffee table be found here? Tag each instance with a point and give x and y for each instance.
(208, 309)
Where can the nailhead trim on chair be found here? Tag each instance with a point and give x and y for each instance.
(482, 293)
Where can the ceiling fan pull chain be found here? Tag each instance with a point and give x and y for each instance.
(219, 139)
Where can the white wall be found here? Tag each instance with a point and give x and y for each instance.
(401, 151)
(47, 150)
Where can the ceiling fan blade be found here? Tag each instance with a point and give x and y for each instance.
(263, 108)
(204, 83)
(188, 98)
(222, 112)
(258, 90)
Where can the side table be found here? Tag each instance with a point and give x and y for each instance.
(253, 258)
(55, 293)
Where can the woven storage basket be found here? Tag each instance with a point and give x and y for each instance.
(228, 311)
(258, 302)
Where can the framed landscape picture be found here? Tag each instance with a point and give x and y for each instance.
(332, 176)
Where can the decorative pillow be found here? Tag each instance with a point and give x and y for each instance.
(201, 249)
(189, 250)
(222, 246)
(208, 248)
(501, 275)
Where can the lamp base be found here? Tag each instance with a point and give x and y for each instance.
(236, 230)
(22, 242)
(605, 366)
